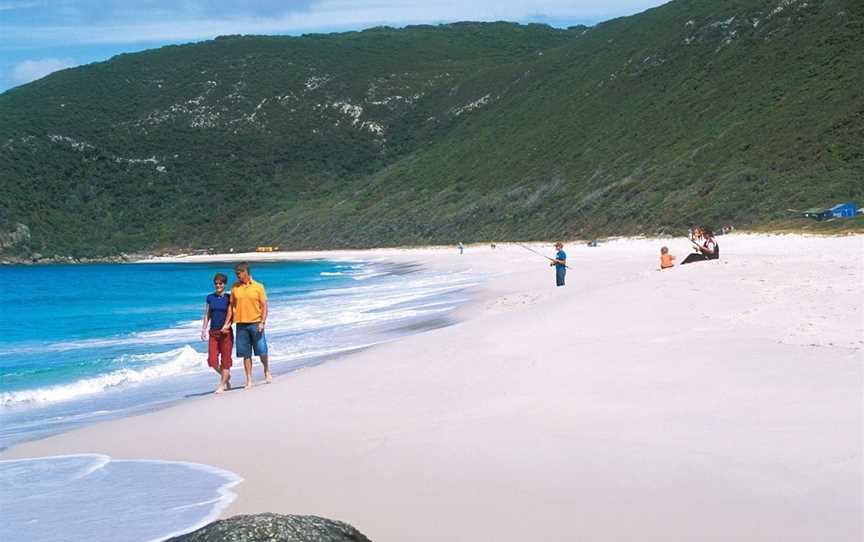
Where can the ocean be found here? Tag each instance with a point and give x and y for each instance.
(85, 343)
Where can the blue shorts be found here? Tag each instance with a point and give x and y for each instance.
(248, 339)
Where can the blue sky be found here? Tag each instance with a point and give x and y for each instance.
(38, 37)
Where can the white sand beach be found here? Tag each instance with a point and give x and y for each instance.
(716, 401)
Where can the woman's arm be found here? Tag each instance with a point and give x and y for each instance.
(229, 318)
(206, 321)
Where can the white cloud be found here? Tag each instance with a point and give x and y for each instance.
(9, 6)
(330, 14)
(30, 70)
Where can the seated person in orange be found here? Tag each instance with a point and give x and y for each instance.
(666, 258)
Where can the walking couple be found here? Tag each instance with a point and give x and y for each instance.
(246, 307)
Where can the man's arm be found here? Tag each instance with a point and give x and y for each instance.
(262, 298)
(263, 315)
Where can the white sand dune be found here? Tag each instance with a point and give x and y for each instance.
(717, 401)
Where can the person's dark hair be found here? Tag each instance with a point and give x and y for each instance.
(707, 232)
(220, 277)
(242, 266)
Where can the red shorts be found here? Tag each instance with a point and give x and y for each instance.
(220, 343)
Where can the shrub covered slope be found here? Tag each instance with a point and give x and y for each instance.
(731, 111)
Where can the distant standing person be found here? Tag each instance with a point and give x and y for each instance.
(461, 248)
(216, 329)
(249, 305)
(560, 264)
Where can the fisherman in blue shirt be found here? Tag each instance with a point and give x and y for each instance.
(560, 263)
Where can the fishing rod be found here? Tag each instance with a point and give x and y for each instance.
(540, 254)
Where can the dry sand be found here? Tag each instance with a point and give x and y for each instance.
(717, 401)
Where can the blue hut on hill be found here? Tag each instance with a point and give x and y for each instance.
(844, 210)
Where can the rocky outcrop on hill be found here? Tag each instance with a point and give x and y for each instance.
(274, 528)
(19, 236)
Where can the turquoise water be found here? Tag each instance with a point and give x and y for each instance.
(82, 343)
(66, 323)
(85, 343)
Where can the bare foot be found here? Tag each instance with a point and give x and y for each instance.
(267, 378)
(248, 385)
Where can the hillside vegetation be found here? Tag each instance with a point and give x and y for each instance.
(716, 112)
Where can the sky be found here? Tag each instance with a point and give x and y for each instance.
(38, 37)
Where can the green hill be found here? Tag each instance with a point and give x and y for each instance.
(697, 110)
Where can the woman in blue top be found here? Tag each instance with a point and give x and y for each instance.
(217, 312)
(560, 263)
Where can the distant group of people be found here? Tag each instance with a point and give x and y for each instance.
(461, 247)
(246, 308)
(704, 245)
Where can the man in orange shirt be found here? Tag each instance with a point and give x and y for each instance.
(249, 307)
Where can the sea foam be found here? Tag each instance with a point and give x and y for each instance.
(93, 497)
(173, 362)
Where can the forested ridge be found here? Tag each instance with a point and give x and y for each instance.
(717, 112)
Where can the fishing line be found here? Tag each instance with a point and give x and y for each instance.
(539, 254)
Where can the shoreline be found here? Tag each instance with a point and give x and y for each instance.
(543, 405)
(179, 256)
(385, 300)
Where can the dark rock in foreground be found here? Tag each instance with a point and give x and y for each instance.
(275, 528)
